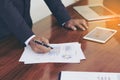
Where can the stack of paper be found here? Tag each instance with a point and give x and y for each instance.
(74, 75)
(61, 53)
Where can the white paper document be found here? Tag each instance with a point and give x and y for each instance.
(61, 53)
(75, 75)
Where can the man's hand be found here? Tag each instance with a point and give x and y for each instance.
(75, 24)
(37, 47)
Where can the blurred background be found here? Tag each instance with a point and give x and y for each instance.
(39, 10)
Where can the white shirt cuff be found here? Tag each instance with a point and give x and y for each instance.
(28, 40)
(63, 24)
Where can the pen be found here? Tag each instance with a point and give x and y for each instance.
(42, 43)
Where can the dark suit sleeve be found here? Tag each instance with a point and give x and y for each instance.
(15, 22)
(58, 10)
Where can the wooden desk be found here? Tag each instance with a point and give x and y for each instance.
(99, 57)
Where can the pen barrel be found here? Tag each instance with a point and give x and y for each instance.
(42, 43)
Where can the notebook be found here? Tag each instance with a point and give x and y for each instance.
(97, 11)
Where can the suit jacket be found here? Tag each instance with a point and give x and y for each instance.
(15, 17)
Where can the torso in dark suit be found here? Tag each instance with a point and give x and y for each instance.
(15, 17)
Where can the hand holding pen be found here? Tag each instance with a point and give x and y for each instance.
(40, 45)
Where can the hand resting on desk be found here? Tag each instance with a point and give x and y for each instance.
(75, 24)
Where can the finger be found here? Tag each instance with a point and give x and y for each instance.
(84, 24)
(73, 28)
(80, 26)
(44, 40)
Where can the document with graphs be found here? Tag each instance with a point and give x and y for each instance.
(61, 53)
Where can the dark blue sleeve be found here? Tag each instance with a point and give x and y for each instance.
(58, 10)
(15, 22)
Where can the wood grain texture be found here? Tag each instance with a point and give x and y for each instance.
(99, 57)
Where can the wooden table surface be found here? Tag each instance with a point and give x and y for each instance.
(99, 57)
